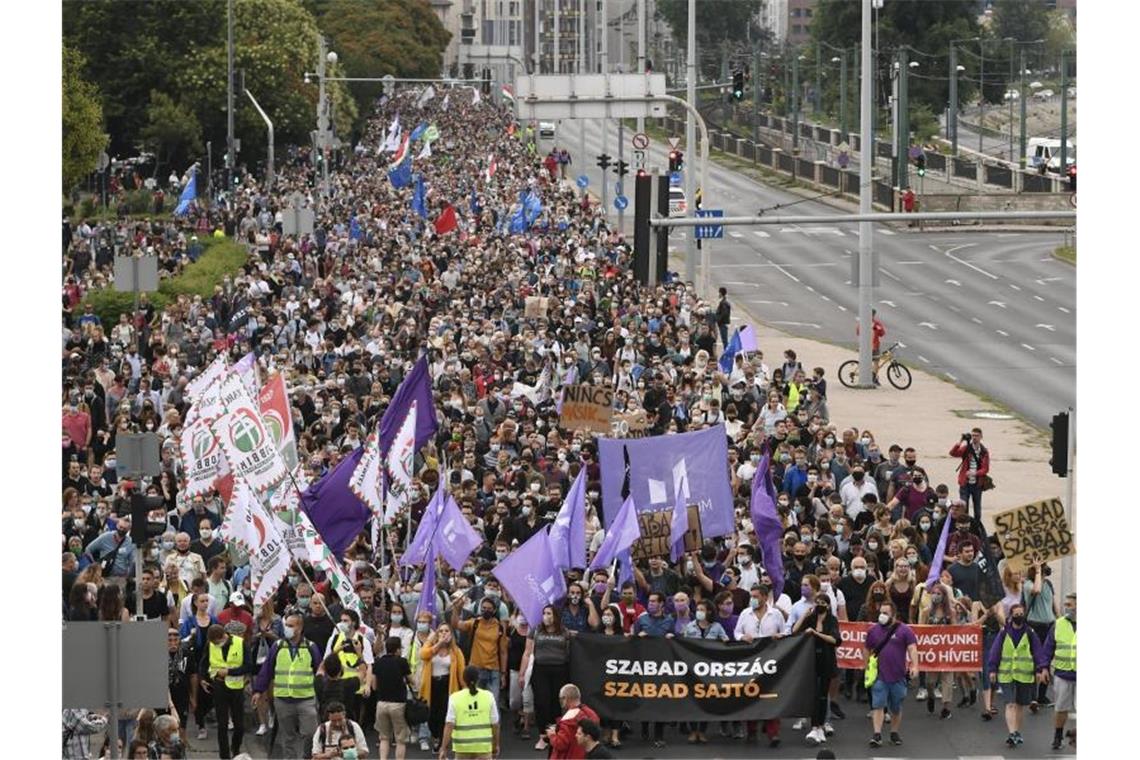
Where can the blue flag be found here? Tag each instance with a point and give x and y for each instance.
(476, 209)
(418, 132)
(533, 206)
(354, 231)
(401, 175)
(188, 195)
(419, 199)
(733, 348)
(568, 533)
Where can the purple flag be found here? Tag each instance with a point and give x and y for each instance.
(625, 565)
(454, 536)
(530, 577)
(416, 553)
(651, 462)
(939, 553)
(427, 594)
(748, 342)
(680, 522)
(568, 533)
(766, 523)
(336, 512)
(415, 387)
(621, 534)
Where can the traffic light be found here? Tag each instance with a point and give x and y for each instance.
(738, 85)
(604, 161)
(486, 81)
(621, 168)
(676, 160)
(1060, 459)
(920, 164)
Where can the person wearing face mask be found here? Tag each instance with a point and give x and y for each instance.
(1017, 661)
(579, 613)
(821, 624)
(520, 694)
(940, 611)
(1061, 652)
(856, 588)
(760, 620)
(912, 497)
(443, 667)
(114, 550)
(420, 671)
(548, 647)
(743, 557)
(853, 490)
(896, 647)
(356, 658)
(339, 736)
(289, 668)
(488, 643)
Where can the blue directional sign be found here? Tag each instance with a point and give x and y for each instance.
(709, 231)
(618, 189)
(583, 182)
(674, 178)
(621, 202)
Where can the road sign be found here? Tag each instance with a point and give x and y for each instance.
(675, 178)
(674, 142)
(618, 189)
(136, 273)
(640, 141)
(583, 181)
(710, 231)
(639, 159)
(621, 202)
(114, 663)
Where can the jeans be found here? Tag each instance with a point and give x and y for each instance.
(296, 724)
(490, 680)
(229, 703)
(723, 336)
(972, 490)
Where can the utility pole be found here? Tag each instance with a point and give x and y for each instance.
(903, 121)
(726, 97)
(843, 96)
(323, 116)
(230, 157)
(620, 179)
(818, 81)
(795, 104)
(952, 115)
(1068, 567)
(756, 93)
(981, 99)
(1021, 89)
(690, 142)
(537, 36)
(1064, 113)
(641, 21)
(866, 293)
(1009, 94)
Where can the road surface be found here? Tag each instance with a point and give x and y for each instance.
(993, 312)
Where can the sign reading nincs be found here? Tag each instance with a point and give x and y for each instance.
(587, 407)
(941, 648)
(1036, 532)
(693, 679)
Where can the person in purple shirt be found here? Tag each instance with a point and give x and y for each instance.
(296, 716)
(1065, 681)
(725, 614)
(889, 689)
(1017, 693)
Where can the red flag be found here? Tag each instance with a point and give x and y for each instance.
(446, 221)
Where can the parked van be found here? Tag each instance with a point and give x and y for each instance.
(1047, 151)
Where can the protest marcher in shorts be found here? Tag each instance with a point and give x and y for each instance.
(1061, 651)
(1017, 661)
(898, 658)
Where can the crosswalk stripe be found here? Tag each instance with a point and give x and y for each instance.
(760, 233)
(886, 231)
(735, 234)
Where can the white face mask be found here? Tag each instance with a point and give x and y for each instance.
(884, 618)
(859, 574)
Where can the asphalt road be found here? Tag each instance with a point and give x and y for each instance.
(962, 737)
(992, 312)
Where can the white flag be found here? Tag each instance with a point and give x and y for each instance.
(244, 438)
(202, 457)
(446, 101)
(365, 480)
(321, 557)
(401, 458)
(475, 100)
(429, 93)
(214, 371)
(248, 525)
(425, 152)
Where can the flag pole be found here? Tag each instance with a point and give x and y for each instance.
(300, 567)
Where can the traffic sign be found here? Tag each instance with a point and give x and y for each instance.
(583, 181)
(621, 202)
(674, 142)
(639, 159)
(675, 178)
(618, 190)
(640, 141)
(710, 231)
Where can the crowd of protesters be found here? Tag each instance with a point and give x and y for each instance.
(343, 313)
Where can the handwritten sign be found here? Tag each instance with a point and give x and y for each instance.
(536, 307)
(1037, 532)
(587, 407)
(655, 528)
(629, 424)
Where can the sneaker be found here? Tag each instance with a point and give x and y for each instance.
(815, 736)
(262, 730)
(895, 738)
(938, 692)
(876, 740)
(828, 729)
(231, 725)
(1017, 737)
(920, 695)
(973, 697)
(944, 714)
(202, 733)
(1010, 741)
(659, 743)
(272, 720)
(1045, 702)
(1057, 743)
(424, 746)
(799, 724)
(837, 711)
(1033, 707)
(540, 744)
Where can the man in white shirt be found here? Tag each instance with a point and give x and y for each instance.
(854, 488)
(759, 620)
(745, 560)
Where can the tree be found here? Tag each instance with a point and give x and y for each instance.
(1060, 36)
(719, 22)
(83, 136)
(374, 38)
(1024, 20)
(172, 132)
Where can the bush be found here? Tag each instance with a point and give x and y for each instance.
(220, 257)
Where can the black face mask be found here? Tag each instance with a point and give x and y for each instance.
(488, 614)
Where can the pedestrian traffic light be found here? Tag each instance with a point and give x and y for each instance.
(738, 85)
(1060, 459)
(920, 164)
(676, 160)
(604, 161)
(621, 168)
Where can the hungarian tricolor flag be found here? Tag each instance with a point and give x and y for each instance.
(401, 153)
(492, 166)
(508, 94)
(446, 222)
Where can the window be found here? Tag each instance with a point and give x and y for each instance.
(514, 8)
(797, 29)
(488, 32)
(513, 30)
(807, 12)
(796, 12)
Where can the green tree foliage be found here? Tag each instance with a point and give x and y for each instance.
(718, 21)
(172, 131)
(374, 38)
(925, 26)
(1023, 20)
(83, 136)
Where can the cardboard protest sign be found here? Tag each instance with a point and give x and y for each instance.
(655, 527)
(536, 307)
(587, 407)
(1037, 532)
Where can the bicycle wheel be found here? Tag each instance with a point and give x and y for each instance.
(899, 376)
(849, 373)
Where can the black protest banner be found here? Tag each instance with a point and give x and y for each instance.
(660, 679)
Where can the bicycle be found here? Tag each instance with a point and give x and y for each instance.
(898, 375)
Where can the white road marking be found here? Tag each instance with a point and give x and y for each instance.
(735, 234)
(910, 262)
(1039, 298)
(1046, 280)
(951, 377)
(825, 298)
(841, 307)
(923, 359)
(738, 282)
(760, 233)
(1027, 346)
(798, 324)
(790, 276)
(1014, 286)
(931, 325)
(955, 283)
(771, 303)
(885, 231)
(901, 344)
(949, 254)
(996, 303)
(1046, 327)
(1002, 333)
(889, 303)
(976, 320)
(1059, 308)
(810, 288)
(888, 274)
(1055, 360)
(953, 308)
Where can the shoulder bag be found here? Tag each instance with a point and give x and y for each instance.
(871, 669)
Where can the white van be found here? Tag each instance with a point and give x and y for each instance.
(546, 130)
(1047, 151)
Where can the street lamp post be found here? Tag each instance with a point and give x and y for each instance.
(955, 70)
(841, 59)
(323, 136)
(230, 158)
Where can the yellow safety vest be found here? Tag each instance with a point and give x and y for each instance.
(230, 661)
(293, 676)
(1016, 662)
(1064, 646)
(472, 733)
(349, 660)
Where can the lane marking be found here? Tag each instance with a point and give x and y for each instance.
(760, 233)
(923, 359)
(950, 254)
(825, 298)
(955, 283)
(810, 288)
(1039, 298)
(931, 325)
(1014, 286)
(996, 303)
(953, 308)
(771, 303)
(885, 231)
(1055, 360)
(1002, 333)
(1059, 308)
(841, 307)
(889, 303)
(1046, 280)
(888, 274)
(1046, 327)
(735, 234)
(901, 344)
(976, 320)
(910, 262)
(951, 377)
(798, 324)
(1026, 345)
